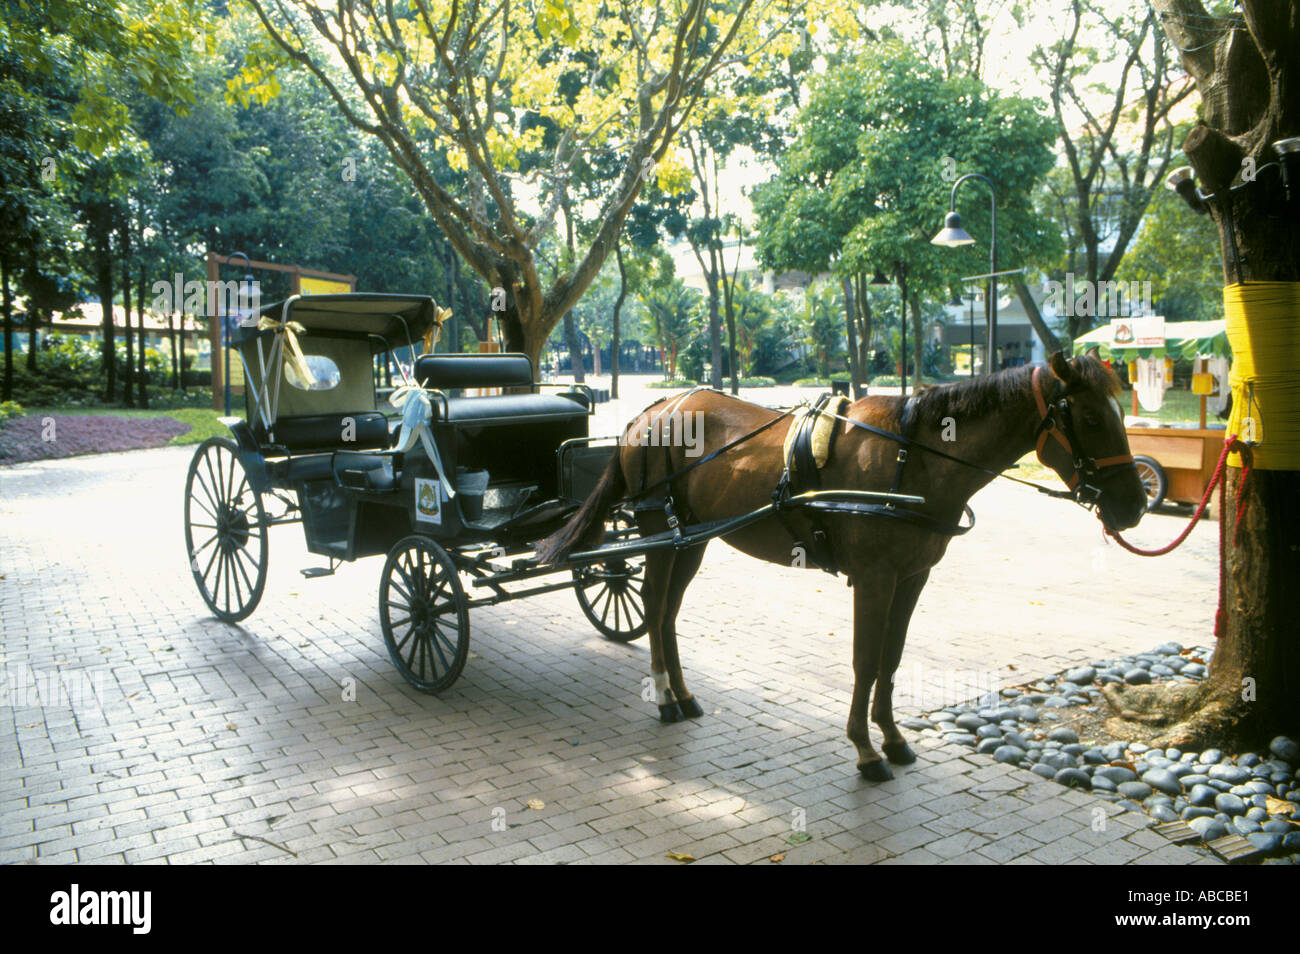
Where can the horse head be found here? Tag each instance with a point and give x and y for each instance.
(1082, 437)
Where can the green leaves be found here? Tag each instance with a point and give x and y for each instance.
(867, 180)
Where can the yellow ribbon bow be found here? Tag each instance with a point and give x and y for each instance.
(431, 336)
(296, 370)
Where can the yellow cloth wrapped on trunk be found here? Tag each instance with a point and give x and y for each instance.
(1263, 320)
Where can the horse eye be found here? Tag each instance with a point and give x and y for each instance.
(1091, 419)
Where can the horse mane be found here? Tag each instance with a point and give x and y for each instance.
(980, 397)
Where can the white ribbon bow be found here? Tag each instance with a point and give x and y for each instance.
(417, 415)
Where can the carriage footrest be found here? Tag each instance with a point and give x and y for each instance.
(312, 572)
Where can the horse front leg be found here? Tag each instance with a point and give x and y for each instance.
(906, 593)
(872, 597)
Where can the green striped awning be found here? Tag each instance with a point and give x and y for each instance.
(1183, 339)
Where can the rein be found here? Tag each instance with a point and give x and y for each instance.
(1230, 444)
(1055, 420)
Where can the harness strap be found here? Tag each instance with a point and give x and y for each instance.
(801, 472)
(1062, 431)
(665, 481)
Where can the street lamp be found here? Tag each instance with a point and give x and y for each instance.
(954, 236)
(226, 325)
(900, 271)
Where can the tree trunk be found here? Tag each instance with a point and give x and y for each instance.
(865, 318)
(1035, 316)
(617, 343)
(918, 345)
(850, 320)
(7, 393)
(128, 376)
(715, 334)
(451, 334)
(143, 377)
(33, 320)
(104, 285)
(176, 356)
(1247, 82)
(575, 349)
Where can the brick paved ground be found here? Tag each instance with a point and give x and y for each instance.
(206, 742)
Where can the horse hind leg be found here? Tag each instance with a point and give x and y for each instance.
(906, 594)
(682, 704)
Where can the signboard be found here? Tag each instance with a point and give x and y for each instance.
(322, 286)
(1145, 332)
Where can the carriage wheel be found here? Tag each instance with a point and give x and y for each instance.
(424, 614)
(225, 531)
(1154, 481)
(611, 596)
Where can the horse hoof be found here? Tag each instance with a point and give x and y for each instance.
(876, 771)
(900, 753)
(690, 708)
(670, 712)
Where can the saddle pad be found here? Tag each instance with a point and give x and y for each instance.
(823, 430)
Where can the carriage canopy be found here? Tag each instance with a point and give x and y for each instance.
(313, 354)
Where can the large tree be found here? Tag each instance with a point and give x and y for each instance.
(867, 180)
(515, 96)
(1245, 67)
(1113, 106)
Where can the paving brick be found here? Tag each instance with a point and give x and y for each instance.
(545, 709)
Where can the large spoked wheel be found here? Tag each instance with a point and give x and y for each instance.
(611, 594)
(225, 531)
(1154, 481)
(424, 614)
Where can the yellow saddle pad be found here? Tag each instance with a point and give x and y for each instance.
(823, 429)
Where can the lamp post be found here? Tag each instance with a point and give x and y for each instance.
(954, 236)
(900, 273)
(226, 324)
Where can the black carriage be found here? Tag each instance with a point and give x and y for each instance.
(472, 463)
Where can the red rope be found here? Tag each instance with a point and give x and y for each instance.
(1230, 444)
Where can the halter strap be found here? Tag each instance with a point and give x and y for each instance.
(1081, 464)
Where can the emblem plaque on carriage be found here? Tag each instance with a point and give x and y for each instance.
(428, 500)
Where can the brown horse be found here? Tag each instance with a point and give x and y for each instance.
(1068, 412)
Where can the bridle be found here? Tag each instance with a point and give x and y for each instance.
(1057, 421)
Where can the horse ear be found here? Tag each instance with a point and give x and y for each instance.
(1063, 370)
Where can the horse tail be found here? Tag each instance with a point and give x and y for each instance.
(586, 527)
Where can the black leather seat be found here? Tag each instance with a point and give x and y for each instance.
(324, 432)
(507, 407)
(448, 371)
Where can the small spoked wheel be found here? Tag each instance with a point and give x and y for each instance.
(1154, 481)
(611, 596)
(225, 531)
(424, 614)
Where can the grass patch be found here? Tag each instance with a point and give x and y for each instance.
(1179, 407)
(675, 384)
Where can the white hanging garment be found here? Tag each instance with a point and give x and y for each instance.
(1219, 368)
(1151, 382)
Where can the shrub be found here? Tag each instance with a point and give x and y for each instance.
(675, 384)
(9, 410)
(70, 372)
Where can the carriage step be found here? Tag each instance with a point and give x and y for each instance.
(312, 572)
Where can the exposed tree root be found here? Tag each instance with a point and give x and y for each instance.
(1194, 717)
